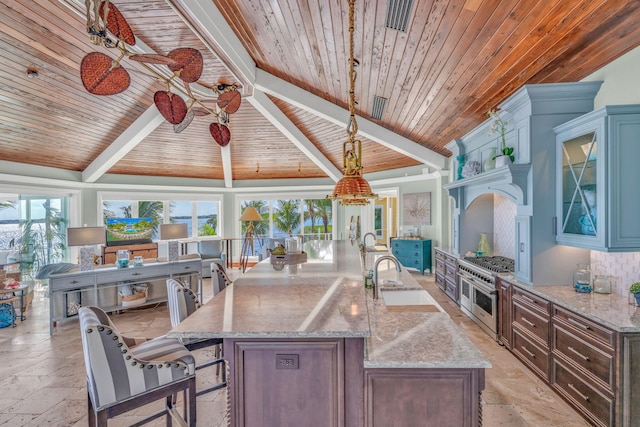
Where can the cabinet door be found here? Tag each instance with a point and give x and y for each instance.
(504, 319)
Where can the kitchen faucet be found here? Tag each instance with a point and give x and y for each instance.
(376, 290)
(364, 239)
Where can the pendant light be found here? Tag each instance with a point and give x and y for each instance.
(352, 189)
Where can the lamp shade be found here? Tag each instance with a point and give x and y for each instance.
(173, 231)
(251, 214)
(83, 236)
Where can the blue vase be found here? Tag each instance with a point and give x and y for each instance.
(460, 160)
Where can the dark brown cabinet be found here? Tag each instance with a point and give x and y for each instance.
(505, 330)
(447, 274)
(145, 250)
(594, 368)
(437, 397)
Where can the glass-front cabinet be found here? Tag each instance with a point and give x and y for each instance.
(598, 180)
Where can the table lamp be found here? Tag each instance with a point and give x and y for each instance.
(250, 214)
(173, 232)
(86, 237)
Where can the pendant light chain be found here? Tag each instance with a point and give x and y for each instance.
(352, 128)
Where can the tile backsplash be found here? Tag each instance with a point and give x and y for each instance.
(622, 267)
(504, 212)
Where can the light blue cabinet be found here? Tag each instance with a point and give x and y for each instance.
(598, 180)
(413, 253)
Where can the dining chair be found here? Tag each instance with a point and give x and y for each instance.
(219, 278)
(125, 373)
(182, 303)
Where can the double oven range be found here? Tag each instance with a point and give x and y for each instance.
(478, 294)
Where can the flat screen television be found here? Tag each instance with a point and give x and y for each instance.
(129, 231)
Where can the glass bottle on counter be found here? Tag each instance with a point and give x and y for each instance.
(602, 285)
(582, 278)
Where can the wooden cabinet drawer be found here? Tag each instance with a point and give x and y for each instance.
(451, 271)
(593, 360)
(440, 267)
(451, 290)
(68, 283)
(440, 282)
(533, 355)
(531, 300)
(440, 257)
(531, 321)
(593, 403)
(185, 268)
(585, 326)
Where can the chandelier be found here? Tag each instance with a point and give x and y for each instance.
(352, 189)
(102, 75)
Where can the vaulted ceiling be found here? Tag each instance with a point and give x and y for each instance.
(428, 82)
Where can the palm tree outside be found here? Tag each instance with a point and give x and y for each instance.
(286, 216)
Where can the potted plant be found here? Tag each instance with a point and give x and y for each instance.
(500, 125)
(635, 290)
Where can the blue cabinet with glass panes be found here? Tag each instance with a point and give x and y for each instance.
(598, 180)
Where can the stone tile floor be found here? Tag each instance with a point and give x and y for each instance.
(42, 377)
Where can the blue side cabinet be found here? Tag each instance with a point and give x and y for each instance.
(413, 253)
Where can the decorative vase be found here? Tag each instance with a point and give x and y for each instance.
(490, 163)
(582, 279)
(460, 160)
(502, 160)
(483, 246)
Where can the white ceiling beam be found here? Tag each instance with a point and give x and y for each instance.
(227, 166)
(267, 108)
(294, 95)
(205, 16)
(125, 142)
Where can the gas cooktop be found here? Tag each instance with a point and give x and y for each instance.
(496, 264)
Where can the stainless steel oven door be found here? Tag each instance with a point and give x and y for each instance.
(465, 293)
(485, 307)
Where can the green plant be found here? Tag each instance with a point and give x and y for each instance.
(500, 125)
(635, 288)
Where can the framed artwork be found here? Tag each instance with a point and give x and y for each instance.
(416, 209)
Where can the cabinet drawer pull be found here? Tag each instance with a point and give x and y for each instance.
(531, 300)
(73, 282)
(528, 322)
(585, 398)
(576, 352)
(135, 274)
(575, 322)
(526, 350)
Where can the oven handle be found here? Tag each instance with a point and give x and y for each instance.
(473, 280)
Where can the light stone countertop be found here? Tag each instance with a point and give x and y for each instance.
(612, 310)
(326, 298)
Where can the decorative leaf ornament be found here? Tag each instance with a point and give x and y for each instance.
(229, 101)
(188, 63)
(185, 122)
(220, 133)
(116, 23)
(172, 107)
(103, 76)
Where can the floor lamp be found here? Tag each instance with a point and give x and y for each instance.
(250, 214)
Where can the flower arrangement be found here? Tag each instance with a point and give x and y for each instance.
(500, 125)
(635, 288)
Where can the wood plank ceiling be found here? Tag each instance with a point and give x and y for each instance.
(455, 60)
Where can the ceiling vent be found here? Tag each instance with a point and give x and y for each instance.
(398, 13)
(379, 104)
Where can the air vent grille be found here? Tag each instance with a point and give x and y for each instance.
(398, 13)
(379, 104)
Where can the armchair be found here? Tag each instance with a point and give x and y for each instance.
(211, 251)
(125, 373)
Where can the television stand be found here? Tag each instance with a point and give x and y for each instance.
(145, 250)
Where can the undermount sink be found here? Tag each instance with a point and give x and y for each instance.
(407, 297)
(376, 248)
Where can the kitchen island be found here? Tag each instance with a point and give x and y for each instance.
(308, 346)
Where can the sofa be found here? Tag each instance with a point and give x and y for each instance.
(211, 251)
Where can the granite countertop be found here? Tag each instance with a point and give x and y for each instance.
(326, 298)
(612, 310)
